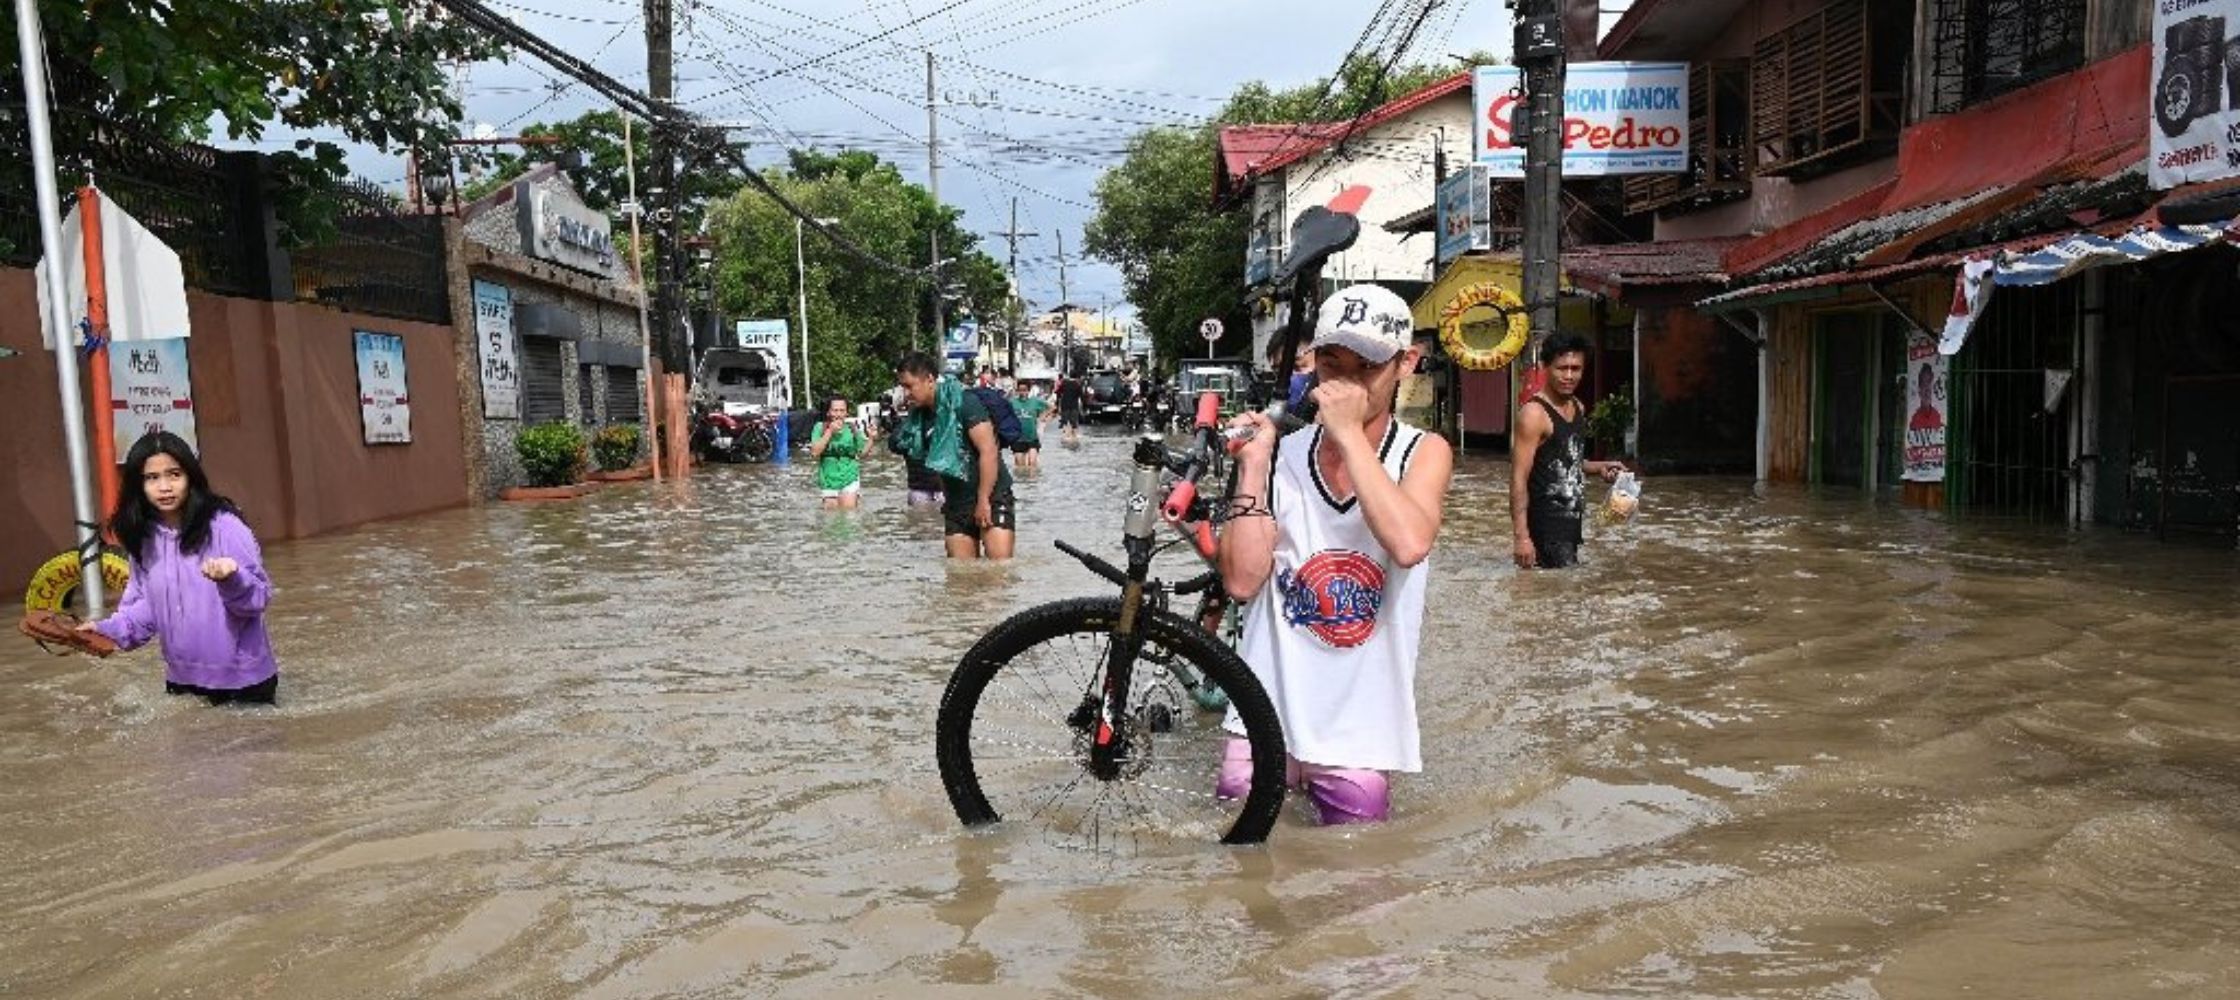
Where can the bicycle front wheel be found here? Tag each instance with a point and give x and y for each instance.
(1013, 736)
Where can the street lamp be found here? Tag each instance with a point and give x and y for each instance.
(801, 271)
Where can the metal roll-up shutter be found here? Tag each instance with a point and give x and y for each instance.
(625, 404)
(544, 393)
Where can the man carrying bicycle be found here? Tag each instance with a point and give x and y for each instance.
(1353, 505)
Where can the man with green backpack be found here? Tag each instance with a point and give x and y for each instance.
(961, 433)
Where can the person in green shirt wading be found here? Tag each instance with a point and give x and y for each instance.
(949, 429)
(1031, 408)
(839, 447)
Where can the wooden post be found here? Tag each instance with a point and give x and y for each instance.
(97, 316)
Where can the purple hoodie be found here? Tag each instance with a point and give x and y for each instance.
(213, 632)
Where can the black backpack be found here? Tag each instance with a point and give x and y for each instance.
(1000, 414)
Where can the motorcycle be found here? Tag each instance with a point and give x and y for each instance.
(721, 434)
(1163, 415)
(1133, 414)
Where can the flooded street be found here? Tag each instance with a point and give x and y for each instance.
(677, 741)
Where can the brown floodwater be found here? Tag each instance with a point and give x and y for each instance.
(677, 741)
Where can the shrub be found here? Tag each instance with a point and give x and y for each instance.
(616, 447)
(551, 454)
(1611, 417)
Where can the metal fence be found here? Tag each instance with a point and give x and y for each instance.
(380, 259)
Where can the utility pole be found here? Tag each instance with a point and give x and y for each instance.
(1540, 52)
(1065, 312)
(660, 83)
(1012, 270)
(933, 186)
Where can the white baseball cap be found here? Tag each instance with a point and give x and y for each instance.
(1368, 320)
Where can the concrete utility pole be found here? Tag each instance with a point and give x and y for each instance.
(1540, 52)
(933, 186)
(1012, 270)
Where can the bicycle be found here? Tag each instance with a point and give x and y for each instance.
(1101, 726)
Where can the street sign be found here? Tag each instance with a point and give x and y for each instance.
(1210, 329)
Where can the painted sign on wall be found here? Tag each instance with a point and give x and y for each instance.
(493, 337)
(1925, 409)
(384, 407)
(1618, 118)
(150, 391)
(2196, 97)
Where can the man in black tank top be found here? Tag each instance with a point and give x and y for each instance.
(1548, 461)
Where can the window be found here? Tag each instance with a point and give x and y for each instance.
(625, 404)
(1718, 144)
(1828, 90)
(752, 378)
(544, 392)
(1985, 48)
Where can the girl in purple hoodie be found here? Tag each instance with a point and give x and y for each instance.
(197, 582)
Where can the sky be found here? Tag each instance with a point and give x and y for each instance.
(1038, 96)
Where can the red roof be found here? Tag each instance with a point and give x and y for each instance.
(1960, 168)
(1609, 267)
(1256, 150)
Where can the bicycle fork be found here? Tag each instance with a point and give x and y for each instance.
(1109, 740)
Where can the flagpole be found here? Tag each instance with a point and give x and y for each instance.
(31, 52)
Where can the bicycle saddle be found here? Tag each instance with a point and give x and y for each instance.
(1318, 233)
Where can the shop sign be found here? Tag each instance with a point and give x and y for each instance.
(2195, 104)
(384, 407)
(770, 336)
(565, 231)
(1618, 118)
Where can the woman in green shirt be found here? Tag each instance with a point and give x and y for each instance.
(1030, 408)
(839, 447)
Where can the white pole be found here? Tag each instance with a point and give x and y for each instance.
(801, 272)
(31, 49)
(645, 330)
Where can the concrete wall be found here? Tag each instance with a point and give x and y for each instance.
(1698, 401)
(276, 407)
(1394, 160)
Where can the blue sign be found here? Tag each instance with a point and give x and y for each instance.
(1465, 222)
(963, 340)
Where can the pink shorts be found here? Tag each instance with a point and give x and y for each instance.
(1340, 794)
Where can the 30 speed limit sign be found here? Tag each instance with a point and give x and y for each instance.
(1210, 329)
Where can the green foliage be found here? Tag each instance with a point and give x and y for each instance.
(861, 318)
(616, 446)
(1611, 417)
(551, 454)
(1180, 256)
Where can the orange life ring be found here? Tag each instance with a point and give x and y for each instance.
(55, 582)
(1484, 359)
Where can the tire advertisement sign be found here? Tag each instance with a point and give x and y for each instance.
(2196, 133)
(1925, 409)
(149, 391)
(493, 338)
(384, 407)
(1618, 118)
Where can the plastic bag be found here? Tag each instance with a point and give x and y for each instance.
(1625, 497)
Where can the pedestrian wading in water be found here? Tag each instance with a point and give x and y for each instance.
(952, 432)
(839, 449)
(1331, 573)
(198, 582)
(1548, 464)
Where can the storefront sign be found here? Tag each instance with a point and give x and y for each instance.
(565, 231)
(1619, 118)
(2196, 100)
(149, 391)
(493, 337)
(1465, 217)
(1925, 405)
(384, 407)
(769, 335)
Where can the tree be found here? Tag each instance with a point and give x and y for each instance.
(373, 70)
(1180, 256)
(862, 318)
(589, 150)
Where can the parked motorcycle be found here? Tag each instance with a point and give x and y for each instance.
(720, 434)
(1134, 414)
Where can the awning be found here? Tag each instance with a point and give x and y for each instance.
(2086, 251)
(1611, 267)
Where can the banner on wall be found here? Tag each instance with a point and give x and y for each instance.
(493, 337)
(2195, 102)
(1618, 118)
(384, 407)
(1925, 409)
(150, 391)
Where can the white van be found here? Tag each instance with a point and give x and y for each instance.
(743, 380)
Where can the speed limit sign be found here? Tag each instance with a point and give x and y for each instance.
(1210, 329)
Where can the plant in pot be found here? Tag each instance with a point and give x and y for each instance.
(1610, 423)
(616, 447)
(552, 455)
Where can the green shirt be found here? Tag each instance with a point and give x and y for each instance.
(1030, 417)
(840, 464)
(964, 494)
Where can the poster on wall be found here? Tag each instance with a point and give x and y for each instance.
(493, 337)
(2196, 95)
(1925, 409)
(384, 408)
(149, 391)
(1618, 118)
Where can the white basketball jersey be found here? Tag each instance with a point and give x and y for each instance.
(1333, 635)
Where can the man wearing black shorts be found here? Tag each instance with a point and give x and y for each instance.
(978, 512)
(1548, 462)
(1069, 407)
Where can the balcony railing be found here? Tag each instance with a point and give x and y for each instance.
(1719, 162)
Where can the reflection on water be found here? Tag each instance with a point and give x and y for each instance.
(675, 739)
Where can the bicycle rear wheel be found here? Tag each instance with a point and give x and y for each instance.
(1013, 734)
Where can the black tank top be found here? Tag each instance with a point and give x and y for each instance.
(1558, 487)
